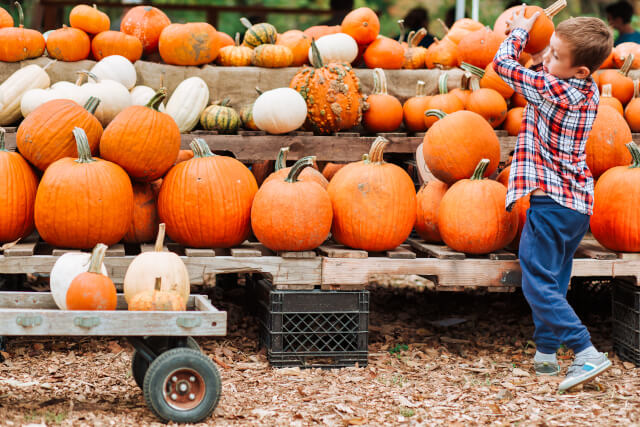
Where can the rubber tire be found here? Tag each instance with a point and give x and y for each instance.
(139, 364)
(166, 363)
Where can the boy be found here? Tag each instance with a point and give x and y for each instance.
(549, 163)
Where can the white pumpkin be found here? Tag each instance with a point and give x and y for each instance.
(113, 96)
(141, 95)
(13, 89)
(187, 102)
(33, 98)
(69, 90)
(279, 111)
(66, 268)
(143, 270)
(117, 68)
(337, 47)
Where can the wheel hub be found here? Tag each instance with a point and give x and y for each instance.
(184, 389)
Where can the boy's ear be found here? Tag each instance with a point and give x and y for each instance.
(582, 73)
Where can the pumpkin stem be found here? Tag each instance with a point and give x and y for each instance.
(626, 66)
(158, 284)
(237, 39)
(203, 147)
(92, 104)
(635, 154)
(465, 80)
(281, 160)
(246, 22)
(259, 91)
(2, 147)
(474, 82)
(196, 149)
(89, 75)
(442, 83)
(636, 92)
(365, 157)
(417, 37)
(377, 150)
(80, 78)
(556, 7)
(381, 79)
(97, 258)
(297, 168)
(20, 14)
(49, 64)
(476, 71)
(156, 100)
(607, 91)
(160, 237)
(82, 143)
(478, 174)
(315, 55)
(436, 113)
(444, 26)
(421, 89)
(225, 102)
(403, 30)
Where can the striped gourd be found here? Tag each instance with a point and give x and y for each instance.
(258, 34)
(220, 117)
(272, 56)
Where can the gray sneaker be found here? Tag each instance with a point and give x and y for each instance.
(583, 370)
(546, 368)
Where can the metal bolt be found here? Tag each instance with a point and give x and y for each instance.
(192, 396)
(183, 387)
(192, 379)
(174, 379)
(174, 396)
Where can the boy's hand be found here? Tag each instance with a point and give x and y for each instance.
(518, 20)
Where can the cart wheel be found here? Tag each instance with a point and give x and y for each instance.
(182, 385)
(139, 364)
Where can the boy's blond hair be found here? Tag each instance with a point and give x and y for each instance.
(590, 39)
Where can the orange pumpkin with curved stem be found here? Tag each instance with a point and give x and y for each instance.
(110, 43)
(414, 55)
(488, 103)
(513, 122)
(19, 43)
(542, 29)
(176, 44)
(68, 44)
(479, 47)
(623, 50)
(74, 209)
(489, 79)
(146, 23)
(444, 101)
(621, 84)
(144, 226)
(632, 110)
(362, 24)
(428, 199)
(299, 44)
(89, 19)
(442, 54)
(374, 203)
(615, 218)
(306, 174)
(605, 147)
(385, 111)
(454, 145)
(606, 98)
(17, 195)
(384, 53)
(6, 20)
(414, 108)
(93, 290)
(460, 29)
(463, 91)
(492, 228)
(291, 214)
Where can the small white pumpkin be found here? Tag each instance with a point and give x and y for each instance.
(141, 95)
(113, 96)
(279, 111)
(337, 47)
(13, 89)
(143, 270)
(187, 102)
(66, 268)
(33, 98)
(117, 68)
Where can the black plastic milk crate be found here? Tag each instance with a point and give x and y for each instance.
(626, 321)
(313, 328)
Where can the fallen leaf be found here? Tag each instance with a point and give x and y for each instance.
(628, 365)
(261, 413)
(292, 372)
(220, 362)
(504, 394)
(38, 346)
(495, 409)
(520, 373)
(357, 421)
(115, 347)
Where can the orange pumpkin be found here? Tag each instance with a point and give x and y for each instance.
(206, 201)
(17, 195)
(74, 209)
(43, 145)
(442, 54)
(317, 31)
(444, 101)
(454, 145)
(385, 111)
(606, 98)
(414, 108)
(632, 110)
(615, 218)
(490, 79)
(110, 43)
(621, 84)
(306, 174)
(479, 47)
(146, 23)
(93, 290)
(184, 155)
(141, 139)
(428, 200)
(623, 50)
(89, 19)
(195, 43)
(384, 53)
(6, 20)
(225, 39)
(291, 214)
(542, 29)
(491, 228)
(514, 119)
(520, 207)
(68, 44)
(374, 203)
(488, 103)
(144, 227)
(460, 29)
(608, 63)
(518, 100)
(272, 56)
(19, 43)
(235, 55)
(605, 147)
(330, 169)
(362, 24)
(157, 300)
(463, 91)
(299, 44)
(414, 55)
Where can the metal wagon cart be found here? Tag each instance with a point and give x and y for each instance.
(179, 382)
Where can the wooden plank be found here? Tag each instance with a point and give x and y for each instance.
(502, 254)
(392, 135)
(258, 246)
(438, 251)
(339, 251)
(592, 249)
(150, 247)
(401, 253)
(44, 300)
(115, 250)
(245, 252)
(195, 252)
(21, 249)
(61, 251)
(297, 254)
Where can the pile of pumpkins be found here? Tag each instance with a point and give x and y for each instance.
(154, 281)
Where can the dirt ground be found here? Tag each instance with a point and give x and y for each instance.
(419, 373)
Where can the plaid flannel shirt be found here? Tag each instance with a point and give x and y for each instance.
(550, 152)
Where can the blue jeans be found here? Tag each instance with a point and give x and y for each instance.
(549, 240)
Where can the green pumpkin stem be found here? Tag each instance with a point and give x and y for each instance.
(436, 113)
(160, 237)
(92, 104)
(315, 55)
(84, 150)
(635, 154)
(377, 150)
(626, 66)
(244, 21)
(196, 150)
(476, 71)
(381, 79)
(297, 168)
(281, 160)
(421, 89)
(403, 30)
(89, 75)
(225, 102)
(443, 80)
(478, 174)
(2, 146)
(97, 258)
(203, 147)
(20, 14)
(556, 7)
(157, 98)
(474, 83)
